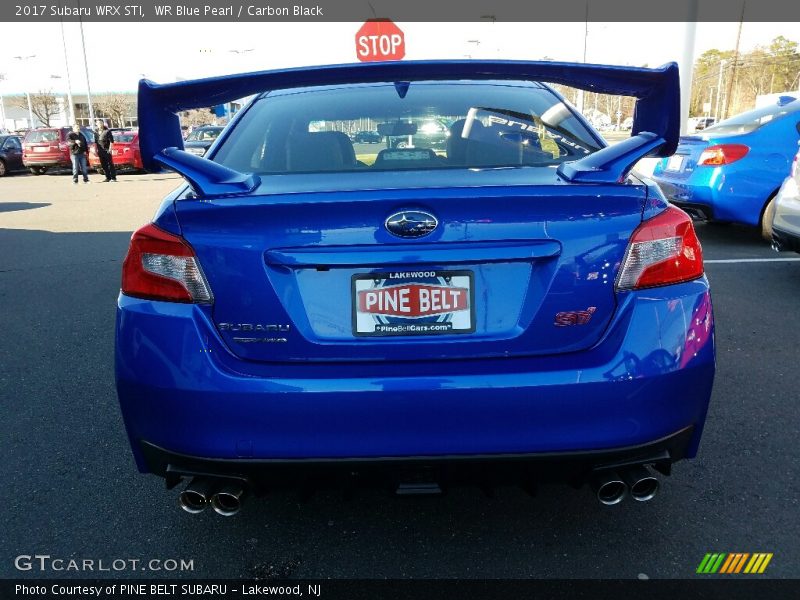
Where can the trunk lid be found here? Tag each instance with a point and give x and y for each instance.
(535, 264)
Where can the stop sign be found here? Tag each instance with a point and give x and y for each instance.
(380, 39)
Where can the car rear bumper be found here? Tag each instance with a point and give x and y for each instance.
(784, 240)
(786, 219)
(492, 469)
(183, 392)
(715, 194)
(45, 161)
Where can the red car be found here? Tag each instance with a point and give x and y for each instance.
(125, 152)
(47, 147)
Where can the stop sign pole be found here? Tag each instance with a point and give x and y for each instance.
(380, 39)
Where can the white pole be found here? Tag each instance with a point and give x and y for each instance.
(88, 85)
(27, 95)
(719, 90)
(579, 99)
(2, 106)
(30, 110)
(687, 65)
(71, 106)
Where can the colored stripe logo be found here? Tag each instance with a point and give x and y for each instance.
(734, 562)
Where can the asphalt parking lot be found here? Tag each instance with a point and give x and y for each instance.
(71, 490)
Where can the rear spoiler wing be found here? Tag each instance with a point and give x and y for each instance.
(656, 121)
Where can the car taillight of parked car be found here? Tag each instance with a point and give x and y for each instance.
(163, 266)
(662, 251)
(722, 154)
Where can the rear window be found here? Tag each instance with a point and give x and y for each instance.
(751, 120)
(123, 137)
(422, 125)
(42, 135)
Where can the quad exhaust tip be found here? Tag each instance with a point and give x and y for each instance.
(612, 487)
(228, 501)
(609, 488)
(642, 484)
(195, 498)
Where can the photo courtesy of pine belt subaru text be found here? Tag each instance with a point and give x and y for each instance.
(485, 294)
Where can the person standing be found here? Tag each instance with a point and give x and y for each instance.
(78, 147)
(105, 141)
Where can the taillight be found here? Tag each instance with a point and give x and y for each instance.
(722, 154)
(662, 251)
(163, 266)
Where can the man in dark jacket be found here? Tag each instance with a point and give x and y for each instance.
(78, 147)
(105, 140)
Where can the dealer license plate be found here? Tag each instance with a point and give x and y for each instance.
(675, 162)
(424, 302)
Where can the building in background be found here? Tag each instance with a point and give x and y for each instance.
(50, 109)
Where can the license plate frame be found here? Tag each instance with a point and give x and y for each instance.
(459, 321)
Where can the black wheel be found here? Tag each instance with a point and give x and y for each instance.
(3, 169)
(37, 170)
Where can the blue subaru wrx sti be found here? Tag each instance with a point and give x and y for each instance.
(731, 171)
(511, 306)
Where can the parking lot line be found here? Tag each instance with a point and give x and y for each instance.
(721, 261)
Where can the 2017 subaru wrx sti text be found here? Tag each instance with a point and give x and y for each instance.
(514, 306)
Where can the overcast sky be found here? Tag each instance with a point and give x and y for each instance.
(119, 54)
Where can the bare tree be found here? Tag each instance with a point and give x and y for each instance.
(197, 117)
(117, 107)
(43, 104)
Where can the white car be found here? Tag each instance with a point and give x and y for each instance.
(786, 217)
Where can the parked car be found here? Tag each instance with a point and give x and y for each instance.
(200, 139)
(427, 133)
(367, 137)
(517, 308)
(786, 211)
(701, 123)
(10, 154)
(47, 148)
(731, 170)
(124, 152)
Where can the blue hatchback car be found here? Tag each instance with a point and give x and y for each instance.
(514, 307)
(732, 170)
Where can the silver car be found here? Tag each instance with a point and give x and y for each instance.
(786, 217)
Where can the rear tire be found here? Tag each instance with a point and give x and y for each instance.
(766, 219)
(38, 170)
